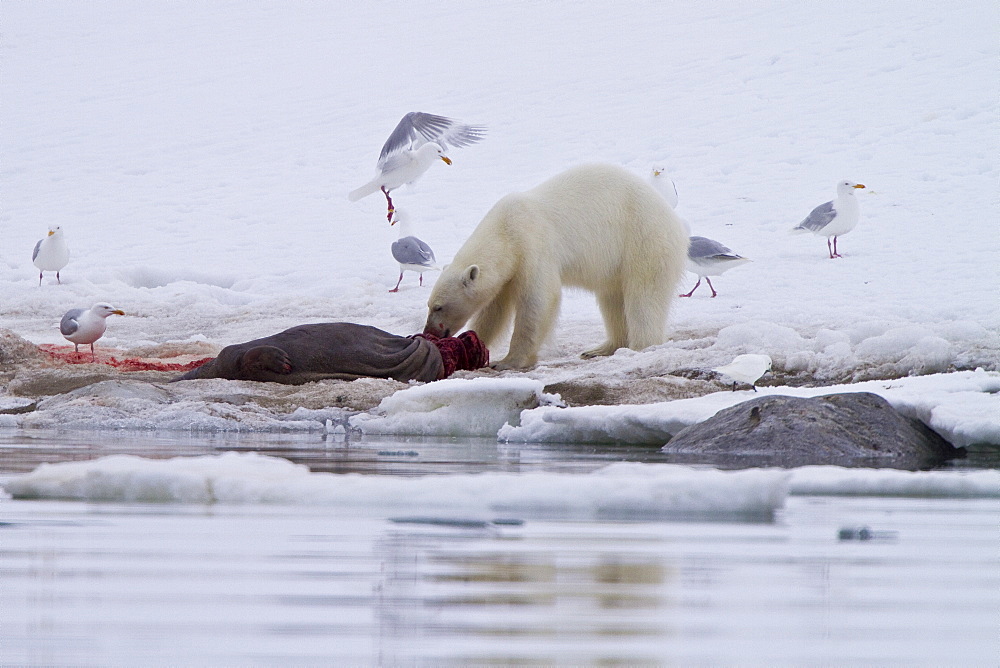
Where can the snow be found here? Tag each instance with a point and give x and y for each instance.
(198, 157)
(454, 407)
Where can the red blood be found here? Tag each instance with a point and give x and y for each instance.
(69, 356)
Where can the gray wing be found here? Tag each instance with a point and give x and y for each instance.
(703, 247)
(411, 250)
(69, 323)
(38, 246)
(417, 128)
(819, 218)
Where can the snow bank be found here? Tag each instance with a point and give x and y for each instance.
(455, 407)
(622, 491)
(963, 407)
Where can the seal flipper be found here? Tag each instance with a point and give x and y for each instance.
(265, 358)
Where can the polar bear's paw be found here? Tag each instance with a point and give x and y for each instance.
(600, 351)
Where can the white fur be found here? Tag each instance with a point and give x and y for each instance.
(597, 227)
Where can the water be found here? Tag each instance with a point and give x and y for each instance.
(100, 584)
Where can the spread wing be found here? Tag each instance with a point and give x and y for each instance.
(819, 218)
(69, 323)
(416, 128)
(34, 253)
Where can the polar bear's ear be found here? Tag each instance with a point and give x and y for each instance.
(470, 275)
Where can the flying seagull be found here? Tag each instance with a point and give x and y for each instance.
(411, 253)
(746, 369)
(51, 253)
(418, 140)
(833, 218)
(87, 325)
(707, 257)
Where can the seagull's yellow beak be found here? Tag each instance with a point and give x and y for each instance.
(859, 185)
(446, 159)
(51, 232)
(118, 311)
(656, 172)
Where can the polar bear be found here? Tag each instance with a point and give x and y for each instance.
(597, 227)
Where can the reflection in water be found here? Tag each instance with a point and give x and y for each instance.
(111, 584)
(514, 599)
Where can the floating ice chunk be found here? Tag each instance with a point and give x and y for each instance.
(454, 407)
(128, 478)
(620, 491)
(838, 481)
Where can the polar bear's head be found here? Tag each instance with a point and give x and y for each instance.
(456, 297)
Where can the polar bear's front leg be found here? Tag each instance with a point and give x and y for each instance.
(613, 313)
(491, 322)
(534, 318)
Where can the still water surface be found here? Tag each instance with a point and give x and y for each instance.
(100, 584)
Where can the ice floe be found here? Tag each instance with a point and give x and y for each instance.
(621, 490)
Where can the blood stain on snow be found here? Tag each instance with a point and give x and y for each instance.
(69, 356)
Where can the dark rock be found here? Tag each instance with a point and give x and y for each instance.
(851, 429)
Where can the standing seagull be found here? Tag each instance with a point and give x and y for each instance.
(418, 140)
(411, 253)
(707, 257)
(664, 185)
(86, 326)
(834, 218)
(746, 369)
(51, 253)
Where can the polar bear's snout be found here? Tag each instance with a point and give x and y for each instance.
(436, 325)
(436, 330)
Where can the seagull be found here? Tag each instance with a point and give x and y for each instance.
(707, 257)
(746, 369)
(664, 185)
(835, 217)
(51, 253)
(411, 253)
(418, 140)
(86, 326)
